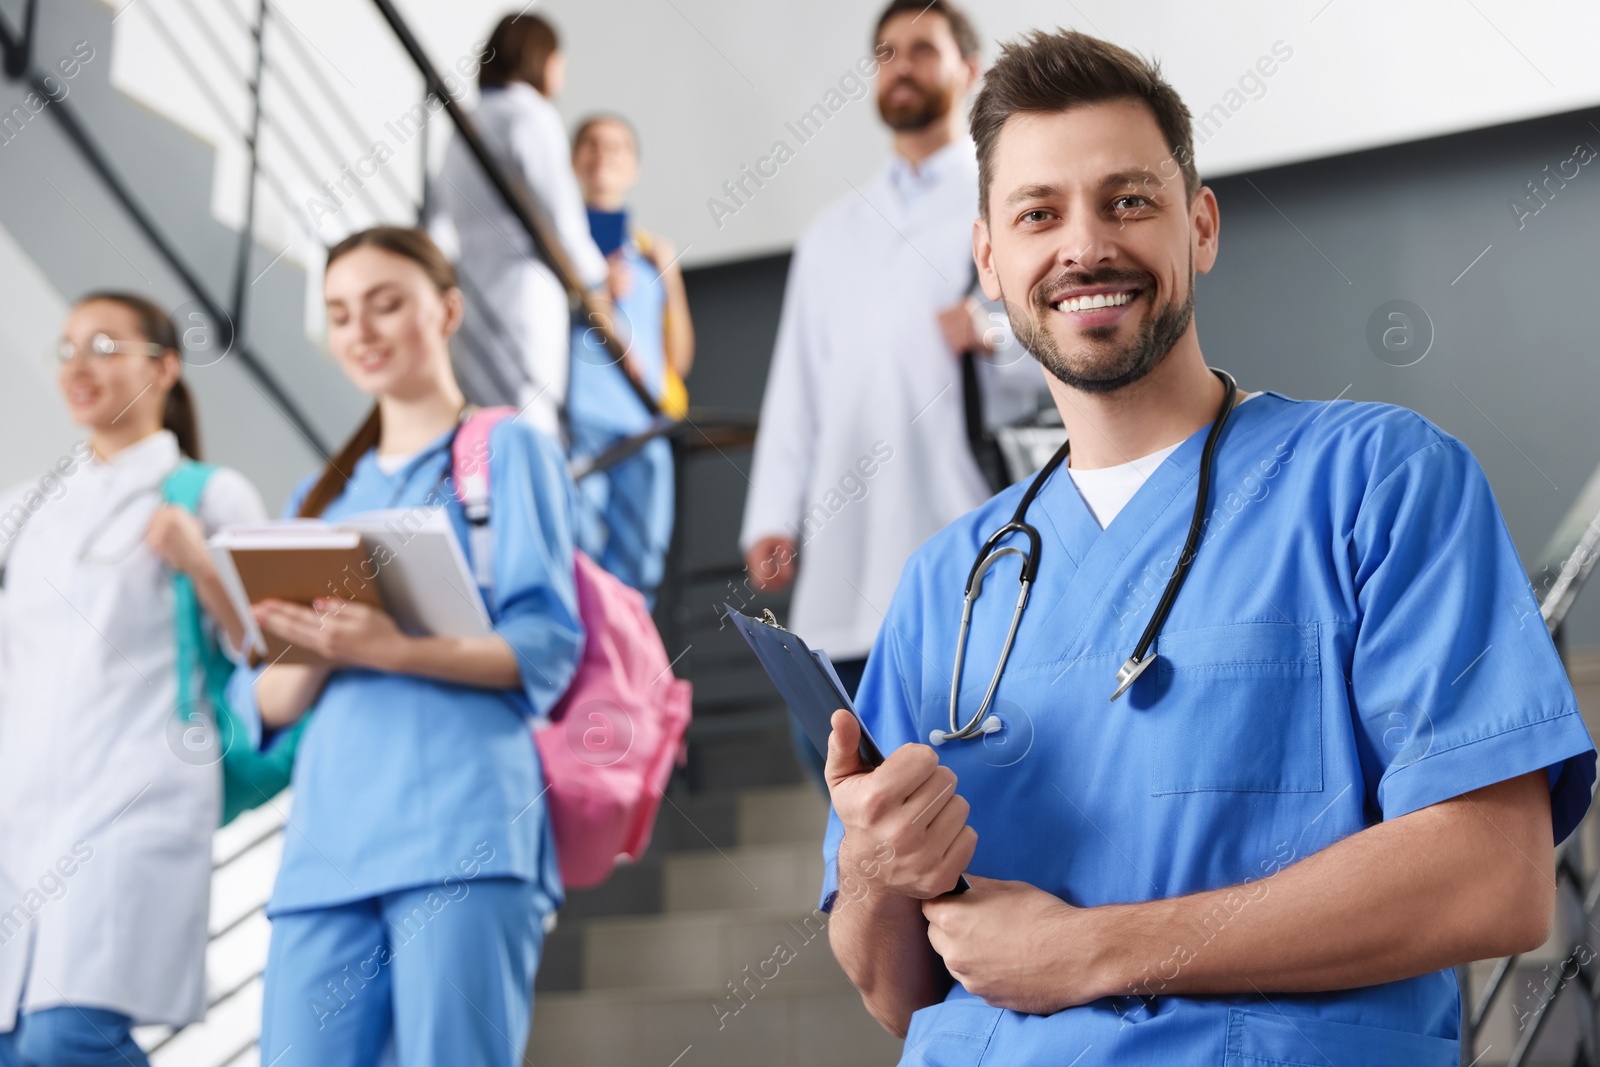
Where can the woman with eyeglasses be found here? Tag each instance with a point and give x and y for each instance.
(106, 808)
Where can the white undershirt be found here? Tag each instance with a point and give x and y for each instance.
(1107, 490)
(390, 464)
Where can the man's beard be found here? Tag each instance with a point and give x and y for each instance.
(1122, 367)
(931, 106)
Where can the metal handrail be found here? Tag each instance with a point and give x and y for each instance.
(1570, 559)
(329, 97)
(164, 31)
(18, 61)
(65, 115)
(247, 237)
(253, 84)
(18, 50)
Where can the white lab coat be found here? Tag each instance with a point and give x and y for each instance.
(861, 369)
(105, 832)
(519, 323)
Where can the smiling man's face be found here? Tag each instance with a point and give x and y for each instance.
(1092, 241)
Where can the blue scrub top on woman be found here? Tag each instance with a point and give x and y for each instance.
(399, 780)
(1356, 640)
(626, 519)
(599, 398)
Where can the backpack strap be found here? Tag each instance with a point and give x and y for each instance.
(186, 484)
(250, 777)
(469, 472)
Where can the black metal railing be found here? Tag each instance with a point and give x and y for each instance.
(1559, 574)
(19, 66)
(279, 146)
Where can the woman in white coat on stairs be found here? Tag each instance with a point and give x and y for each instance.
(518, 319)
(107, 808)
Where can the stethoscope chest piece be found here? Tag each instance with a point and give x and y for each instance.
(1131, 669)
(992, 723)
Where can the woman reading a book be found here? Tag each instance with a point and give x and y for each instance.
(109, 790)
(420, 863)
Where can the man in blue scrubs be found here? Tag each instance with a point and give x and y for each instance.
(1346, 770)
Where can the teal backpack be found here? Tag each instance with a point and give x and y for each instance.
(250, 776)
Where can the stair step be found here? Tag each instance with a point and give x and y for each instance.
(692, 821)
(792, 1022)
(705, 951)
(786, 877)
(753, 760)
(782, 814)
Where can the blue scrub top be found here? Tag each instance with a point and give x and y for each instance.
(1357, 639)
(598, 396)
(403, 781)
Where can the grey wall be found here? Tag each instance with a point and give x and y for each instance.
(1513, 369)
(1309, 253)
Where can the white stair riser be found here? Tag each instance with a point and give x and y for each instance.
(707, 952)
(807, 1027)
(771, 877)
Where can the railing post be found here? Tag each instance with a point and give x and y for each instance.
(247, 235)
(19, 49)
(422, 184)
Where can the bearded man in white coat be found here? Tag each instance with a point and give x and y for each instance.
(862, 452)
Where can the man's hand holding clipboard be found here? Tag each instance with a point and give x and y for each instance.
(906, 800)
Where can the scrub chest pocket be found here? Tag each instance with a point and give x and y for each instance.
(1235, 708)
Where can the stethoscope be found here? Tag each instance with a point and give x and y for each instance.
(984, 723)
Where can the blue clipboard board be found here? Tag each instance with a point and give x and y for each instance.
(809, 685)
(805, 679)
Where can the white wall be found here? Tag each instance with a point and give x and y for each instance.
(37, 431)
(710, 83)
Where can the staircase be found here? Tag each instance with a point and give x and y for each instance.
(707, 952)
(270, 400)
(678, 960)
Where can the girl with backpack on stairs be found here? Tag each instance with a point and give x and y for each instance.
(419, 862)
(109, 790)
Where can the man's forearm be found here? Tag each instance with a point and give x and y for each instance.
(881, 941)
(1468, 879)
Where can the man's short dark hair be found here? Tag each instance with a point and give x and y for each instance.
(1049, 72)
(960, 26)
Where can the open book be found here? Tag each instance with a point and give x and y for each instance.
(406, 561)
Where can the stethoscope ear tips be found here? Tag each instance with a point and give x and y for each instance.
(936, 737)
(992, 725)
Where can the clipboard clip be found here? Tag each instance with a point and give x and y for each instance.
(769, 619)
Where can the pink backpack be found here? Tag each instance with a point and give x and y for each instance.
(614, 737)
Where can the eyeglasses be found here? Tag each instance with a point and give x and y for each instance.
(103, 347)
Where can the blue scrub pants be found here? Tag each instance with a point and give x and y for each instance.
(432, 975)
(628, 510)
(70, 1036)
(812, 761)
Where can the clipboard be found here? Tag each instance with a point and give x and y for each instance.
(809, 685)
(805, 679)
